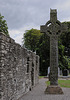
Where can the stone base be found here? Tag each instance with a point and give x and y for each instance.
(53, 90)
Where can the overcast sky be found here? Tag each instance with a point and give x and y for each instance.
(22, 15)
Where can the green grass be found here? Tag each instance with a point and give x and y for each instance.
(41, 77)
(62, 83)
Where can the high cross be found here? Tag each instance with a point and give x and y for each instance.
(53, 28)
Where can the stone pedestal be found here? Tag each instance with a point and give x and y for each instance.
(53, 90)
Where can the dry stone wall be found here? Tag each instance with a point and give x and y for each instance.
(19, 69)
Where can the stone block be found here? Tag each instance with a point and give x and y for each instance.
(53, 90)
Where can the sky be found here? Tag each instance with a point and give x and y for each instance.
(22, 15)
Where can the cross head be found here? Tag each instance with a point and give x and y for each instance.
(53, 26)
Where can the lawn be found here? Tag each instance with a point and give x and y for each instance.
(62, 83)
(41, 77)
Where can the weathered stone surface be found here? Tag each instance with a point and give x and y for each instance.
(16, 69)
(53, 28)
(53, 90)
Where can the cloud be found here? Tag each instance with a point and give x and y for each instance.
(17, 35)
(64, 6)
(22, 15)
(18, 13)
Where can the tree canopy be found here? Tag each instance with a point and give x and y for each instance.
(65, 38)
(31, 39)
(3, 25)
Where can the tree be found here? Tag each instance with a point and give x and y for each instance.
(3, 25)
(44, 52)
(65, 38)
(39, 42)
(31, 39)
(65, 52)
(63, 62)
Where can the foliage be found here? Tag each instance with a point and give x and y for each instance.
(68, 60)
(63, 63)
(3, 25)
(65, 37)
(44, 52)
(65, 52)
(31, 39)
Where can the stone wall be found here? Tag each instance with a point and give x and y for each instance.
(19, 69)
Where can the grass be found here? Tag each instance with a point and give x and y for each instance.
(62, 83)
(41, 77)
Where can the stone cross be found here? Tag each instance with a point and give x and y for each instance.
(53, 28)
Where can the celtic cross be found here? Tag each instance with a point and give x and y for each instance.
(53, 28)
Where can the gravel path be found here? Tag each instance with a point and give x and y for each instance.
(37, 93)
